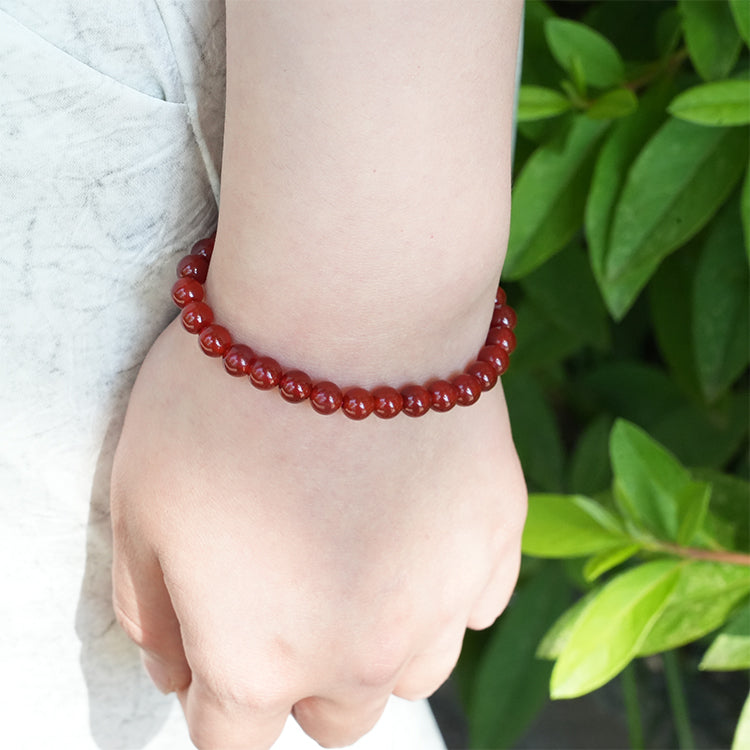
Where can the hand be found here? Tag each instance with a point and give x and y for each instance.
(271, 560)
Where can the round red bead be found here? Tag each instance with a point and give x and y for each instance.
(194, 267)
(469, 389)
(417, 400)
(237, 360)
(196, 316)
(186, 290)
(496, 356)
(500, 297)
(295, 386)
(215, 340)
(503, 337)
(484, 372)
(265, 373)
(326, 397)
(204, 248)
(388, 402)
(358, 403)
(443, 395)
(504, 316)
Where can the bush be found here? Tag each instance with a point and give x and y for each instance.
(628, 264)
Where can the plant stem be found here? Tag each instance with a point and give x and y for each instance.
(735, 558)
(677, 700)
(632, 708)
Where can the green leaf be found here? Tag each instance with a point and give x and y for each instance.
(679, 180)
(722, 327)
(692, 505)
(741, 12)
(741, 739)
(600, 62)
(730, 501)
(627, 26)
(581, 315)
(705, 596)
(649, 478)
(568, 526)
(549, 196)
(611, 629)
(719, 103)
(620, 148)
(745, 212)
(704, 436)
(556, 638)
(668, 31)
(605, 561)
(538, 348)
(731, 647)
(578, 76)
(539, 67)
(511, 685)
(589, 466)
(673, 321)
(537, 103)
(697, 435)
(711, 36)
(613, 104)
(535, 433)
(639, 393)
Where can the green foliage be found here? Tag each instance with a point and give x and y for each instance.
(508, 698)
(731, 647)
(711, 35)
(537, 102)
(599, 645)
(584, 53)
(628, 263)
(719, 103)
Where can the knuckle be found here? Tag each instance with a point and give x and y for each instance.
(382, 667)
(230, 693)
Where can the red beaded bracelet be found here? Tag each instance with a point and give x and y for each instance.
(265, 373)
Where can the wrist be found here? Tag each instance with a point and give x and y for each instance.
(338, 322)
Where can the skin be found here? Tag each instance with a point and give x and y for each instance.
(268, 559)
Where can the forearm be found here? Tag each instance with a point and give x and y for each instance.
(366, 183)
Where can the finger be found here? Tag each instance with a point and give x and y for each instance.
(242, 721)
(427, 671)
(495, 597)
(144, 610)
(338, 724)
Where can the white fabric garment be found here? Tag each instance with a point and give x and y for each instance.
(111, 119)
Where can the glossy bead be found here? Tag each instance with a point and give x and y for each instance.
(443, 395)
(215, 340)
(503, 337)
(468, 387)
(388, 402)
(326, 397)
(358, 403)
(265, 373)
(500, 297)
(196, 316)
(504, 316)
(194, 267)
(496, 356)
(237, 360)
(484, 372)
(186, 290)
(295, 386)
(417, 400)
(204, 248)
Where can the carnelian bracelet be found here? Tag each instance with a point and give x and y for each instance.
(295, 386)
